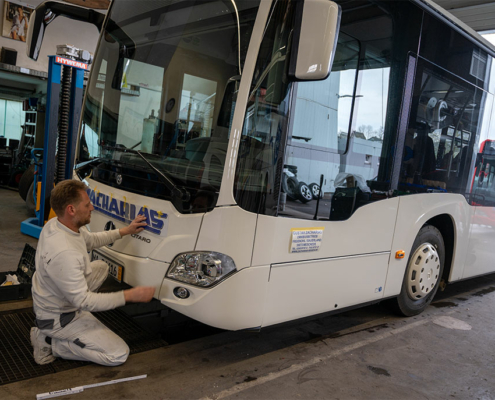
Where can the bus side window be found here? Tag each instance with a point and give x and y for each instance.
(256, 186)
(444, 123)
(483, 193)
(338, 129)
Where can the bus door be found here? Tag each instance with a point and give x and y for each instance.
(309, 163)
(482, 235)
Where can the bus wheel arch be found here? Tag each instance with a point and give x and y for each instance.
(445, 224)
(423, 272)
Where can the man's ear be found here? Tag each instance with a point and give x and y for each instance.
(70, 210)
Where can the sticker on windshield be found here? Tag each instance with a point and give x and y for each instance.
(125, 212)
(304, 240)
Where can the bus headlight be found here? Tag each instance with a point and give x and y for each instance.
(201, 268)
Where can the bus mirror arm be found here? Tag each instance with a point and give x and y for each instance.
(46, 12)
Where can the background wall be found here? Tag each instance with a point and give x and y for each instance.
(60, 31)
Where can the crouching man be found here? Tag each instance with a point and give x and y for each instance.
(65, 284)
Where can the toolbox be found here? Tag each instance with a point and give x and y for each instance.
(24, 273)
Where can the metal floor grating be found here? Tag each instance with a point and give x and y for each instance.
(137, 338)
(16, 358)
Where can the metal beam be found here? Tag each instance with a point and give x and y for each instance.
(477, 14)
(95, 4)
(462, 4)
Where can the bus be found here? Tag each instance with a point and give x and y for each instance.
(292, 158)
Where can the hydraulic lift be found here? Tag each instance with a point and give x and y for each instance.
(64, 103)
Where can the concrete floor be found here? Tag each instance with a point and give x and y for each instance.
(445, 353)
(12, 212)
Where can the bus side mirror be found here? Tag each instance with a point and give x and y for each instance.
(46, 12)
(314, 39)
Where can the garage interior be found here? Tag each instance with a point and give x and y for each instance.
(368, 353)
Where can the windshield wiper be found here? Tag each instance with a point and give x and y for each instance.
(83, 164)
(176, 191)
(77, 167)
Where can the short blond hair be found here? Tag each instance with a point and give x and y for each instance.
(66, 193)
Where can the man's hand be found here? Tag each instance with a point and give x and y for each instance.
(136, 226)
(140, 294)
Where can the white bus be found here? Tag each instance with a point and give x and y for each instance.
(292, 157)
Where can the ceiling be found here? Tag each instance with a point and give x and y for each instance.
(478, 14)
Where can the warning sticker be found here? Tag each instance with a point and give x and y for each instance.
(305, 239)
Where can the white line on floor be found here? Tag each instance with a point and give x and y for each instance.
(298, 367)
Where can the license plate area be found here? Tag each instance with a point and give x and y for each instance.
(115, 269)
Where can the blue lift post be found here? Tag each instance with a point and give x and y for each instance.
(33, 226)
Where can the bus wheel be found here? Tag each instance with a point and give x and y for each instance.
(315, 190)
(423, 273)
(304, 193)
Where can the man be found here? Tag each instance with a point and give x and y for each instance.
(65, 284)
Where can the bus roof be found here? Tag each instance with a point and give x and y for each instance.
(457, 24)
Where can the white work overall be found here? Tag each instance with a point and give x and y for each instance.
(83, 337)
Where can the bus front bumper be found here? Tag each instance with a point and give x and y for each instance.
(234, 304)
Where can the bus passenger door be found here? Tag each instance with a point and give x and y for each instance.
(328, 240)
(319, 154)
(482, 233)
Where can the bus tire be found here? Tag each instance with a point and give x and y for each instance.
(30, 200)
(15, 177)
(25, 182)
(423, 273)
(290, 187)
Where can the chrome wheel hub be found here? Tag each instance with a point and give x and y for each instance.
(423, 271)
(306, 193)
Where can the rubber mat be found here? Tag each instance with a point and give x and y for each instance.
(16, 358)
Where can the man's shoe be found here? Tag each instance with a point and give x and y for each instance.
(42, 350)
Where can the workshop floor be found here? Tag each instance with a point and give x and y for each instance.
(445, 353)
(12, 212)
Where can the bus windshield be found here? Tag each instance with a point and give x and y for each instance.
(162, 94)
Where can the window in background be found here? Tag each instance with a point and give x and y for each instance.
(196, 107)
(11, 119)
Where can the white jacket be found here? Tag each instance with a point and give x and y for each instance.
(62, 266)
